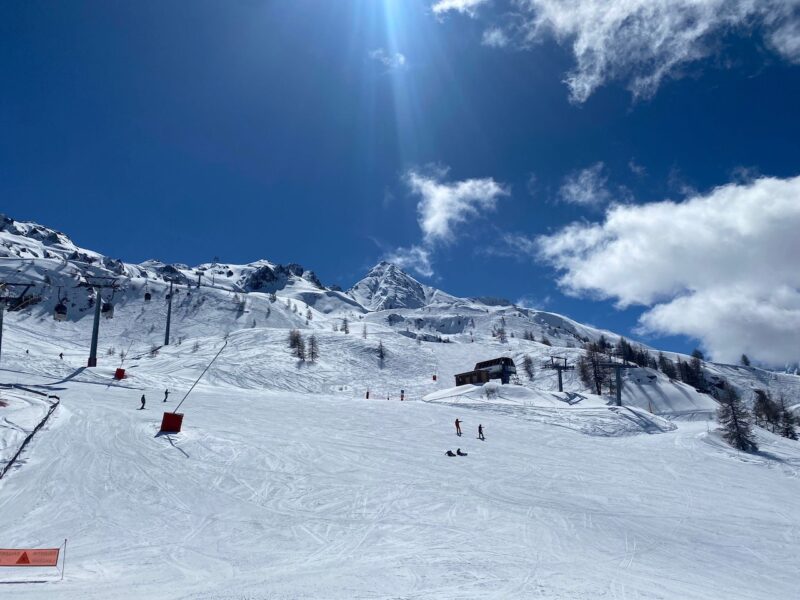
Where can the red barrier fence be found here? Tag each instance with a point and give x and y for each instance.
(29, 557)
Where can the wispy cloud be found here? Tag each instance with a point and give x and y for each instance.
(416, 258)
(468, 7)
(721, 267)
(636, 168)
(586, 187)
(391, 60)
(495, 37)
(642, 42)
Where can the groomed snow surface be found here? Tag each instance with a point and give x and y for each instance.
(287, 483)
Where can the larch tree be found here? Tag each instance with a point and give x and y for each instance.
(736, 422)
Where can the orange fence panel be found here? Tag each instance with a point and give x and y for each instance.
(28, 557)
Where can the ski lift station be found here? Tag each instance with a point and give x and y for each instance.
(498, 368)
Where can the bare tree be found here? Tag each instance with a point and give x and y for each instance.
(313, 348)
(527, 366)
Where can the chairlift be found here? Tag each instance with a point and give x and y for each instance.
(107, 310)
(60, 312)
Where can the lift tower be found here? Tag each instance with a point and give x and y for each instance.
(98, 283)
(618, 372)
(560, 368)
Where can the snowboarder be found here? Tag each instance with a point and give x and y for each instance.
(166, 394)
(61, 355)
(458, 427)
(460, 453)
(480, 432)
(449, 453)
(143, 401)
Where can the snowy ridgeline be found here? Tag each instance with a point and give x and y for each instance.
(286, 482)
(425, 331)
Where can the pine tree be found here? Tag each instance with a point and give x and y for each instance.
(345, 325)
(545, 341)
(745, 360)
(313, 348)
(788, 421)
(381, 352)
(527, 366)
(696, 366)
(766, 411)
(364, 331)
(735, 421)
(300, 351)
(667, 366)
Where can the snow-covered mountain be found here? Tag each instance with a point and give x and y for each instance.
(386, 286)
(264, 295)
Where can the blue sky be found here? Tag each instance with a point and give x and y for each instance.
(292, 131)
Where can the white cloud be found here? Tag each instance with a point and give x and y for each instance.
(721, 267)
(416, 258)
(587, 187)
(642, 42)
(391, 60)
(494, 37)
(443, 206)
(468, 7)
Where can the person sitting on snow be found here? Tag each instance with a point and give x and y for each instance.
(460, 453)
(449, 453)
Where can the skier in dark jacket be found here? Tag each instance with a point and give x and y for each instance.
(61, 355)
(143, 402)
(458, 427)
(166, 394)
(480, 432)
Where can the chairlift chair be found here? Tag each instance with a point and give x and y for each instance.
(60, 312)
(107, 310)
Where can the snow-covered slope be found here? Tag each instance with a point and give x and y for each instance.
(287, 482)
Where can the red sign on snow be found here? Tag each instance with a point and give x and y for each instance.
(28, 557)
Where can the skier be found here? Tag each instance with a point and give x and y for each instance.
(143, 401)
(480, 432)
(61, 355)
(166, 394)
(458, 427)
(449, 453)
(460, 453)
